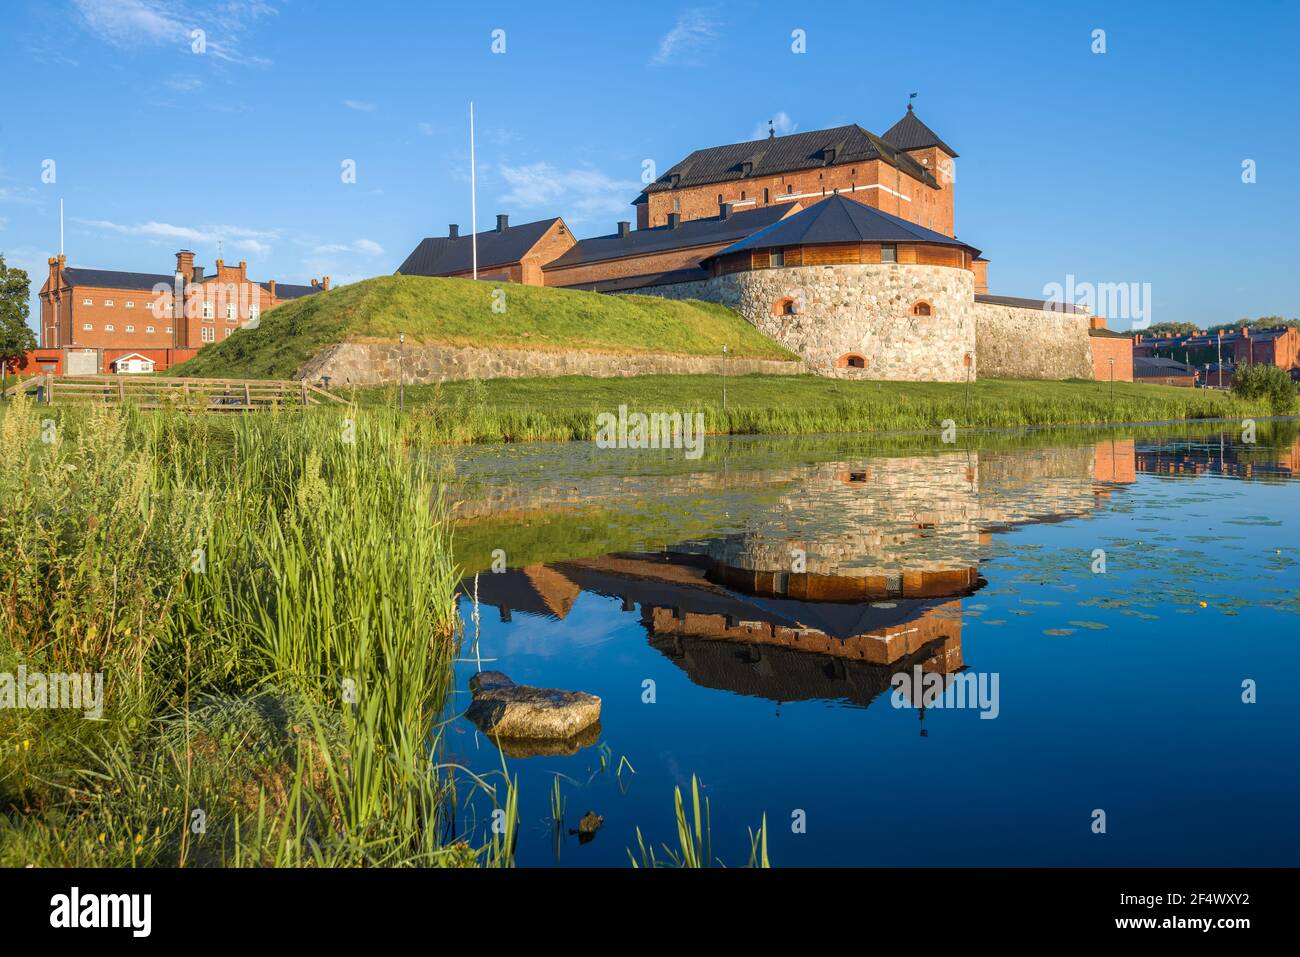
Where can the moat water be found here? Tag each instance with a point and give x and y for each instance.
(1092, 628)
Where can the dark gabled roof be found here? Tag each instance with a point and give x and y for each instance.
(910, 133)
(1155, 366)
(442, 255)
(284, 290)
(693, 232)
(625, 283)
(840, 220)
(1019, 303)
(1229, 334)
(113, 279)
(785, 154)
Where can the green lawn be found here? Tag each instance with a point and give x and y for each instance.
(460, 312)
(566, 408)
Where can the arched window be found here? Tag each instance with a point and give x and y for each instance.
(851, 360)
(785, 307)
(922, 308)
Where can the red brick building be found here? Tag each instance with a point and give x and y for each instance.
(1237, 347)
(908, 172)
(93, 316)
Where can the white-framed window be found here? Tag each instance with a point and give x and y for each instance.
(208, 334)
(228, 332)
(232, 312)
(86, 327)
(253, 313)
(108, 327)
(207, 310)
(87, 302)
(148, 328)
(130, 328)
(108, 303)
(169, 328)
(130, 304)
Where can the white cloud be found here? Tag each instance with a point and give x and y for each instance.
(242, 237)
(781, 122)
(580, 195)
(183, 83)
(363, 106)
(425, 128)
(693, 31)
(131, 24)
(362, 247)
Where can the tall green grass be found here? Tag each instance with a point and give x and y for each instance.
(564, 409)
(270, 600)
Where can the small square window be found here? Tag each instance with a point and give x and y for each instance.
(778, 257)
(888, 253)
(86, 327)
(148, 328)
(169, 328)
(108, 327)
(130, 304)
(87, 302)
(108, 302)
(130, 328)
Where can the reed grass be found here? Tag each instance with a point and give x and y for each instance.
(270, 601)
(565, 409)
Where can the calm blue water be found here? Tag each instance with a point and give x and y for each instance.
(1116, 690)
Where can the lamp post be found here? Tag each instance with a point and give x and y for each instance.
(401, 377)
(1111, 360)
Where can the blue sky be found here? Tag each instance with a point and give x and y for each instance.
(1124, 166)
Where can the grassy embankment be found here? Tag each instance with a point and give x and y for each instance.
(459, 312)
(270, 606)
(566, 408)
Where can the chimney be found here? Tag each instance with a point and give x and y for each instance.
(198, 274)
(674, 220)
(185, 263)
(623, 227)
(315, 283)
(453, 231)
(724, 210)
(503, 222)
(271, 287)
(1097, 322)
(1245, 331)
(325, 283)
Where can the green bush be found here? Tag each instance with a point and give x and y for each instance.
(1266, 382)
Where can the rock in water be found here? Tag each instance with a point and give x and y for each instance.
(591, 823)
(504, 709)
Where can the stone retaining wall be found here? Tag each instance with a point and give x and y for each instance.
(378, 363)
(864, 310)
(1014, 342)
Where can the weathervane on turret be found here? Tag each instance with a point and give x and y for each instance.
(910, 98)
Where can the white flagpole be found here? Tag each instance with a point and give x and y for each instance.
(60, 227)
(473, 204)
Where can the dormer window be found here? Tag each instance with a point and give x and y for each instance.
(674, 179)
(830, 156)
(746, 168)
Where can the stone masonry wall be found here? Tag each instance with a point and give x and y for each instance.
(859, 309)
(378, 363)
(1017, 343)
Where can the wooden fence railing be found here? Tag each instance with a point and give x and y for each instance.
(151, 392)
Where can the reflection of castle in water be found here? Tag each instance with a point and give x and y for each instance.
(835, 584)
(1192, 458)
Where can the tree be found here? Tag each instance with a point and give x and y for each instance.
(16, 338)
